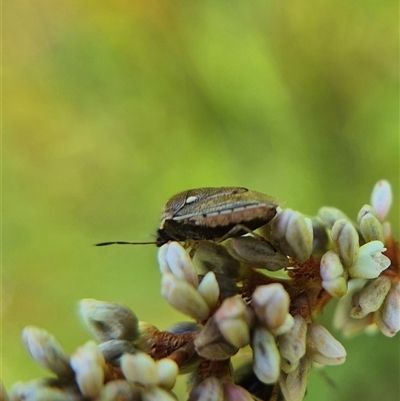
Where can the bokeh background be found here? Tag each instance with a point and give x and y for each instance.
(109, 108)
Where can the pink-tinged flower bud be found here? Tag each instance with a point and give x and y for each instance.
(370, 298)
(346, 239)
(333, 275)
(381, 199)
(370, 262)
(47, 351)
(322, 347)
(388, 317)
(266, 357)
(387, 230)
(370, 227)
(236, 393)
(292, 233)
(88, 364)
(184, 297)
(294, 384)
(173, 258)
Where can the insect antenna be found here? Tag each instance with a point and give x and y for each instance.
(123, 243)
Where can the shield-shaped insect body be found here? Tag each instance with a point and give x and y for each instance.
(214, 214)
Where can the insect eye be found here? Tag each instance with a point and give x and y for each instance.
(191, 199)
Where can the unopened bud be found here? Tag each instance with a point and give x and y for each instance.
(173, 258)
(329, 215)
(370, 298)
(47, 351)
(294, 384)
(88, 364)
(292, 233)
(346, 238)
(109, 320)
(333, 275)
(266, 358)
(292, 344)
(370, 227)
(271, 304)
(184, 297)
(381, 199)
(322, 347)
(140, 368)
(388, 317)
(209, 289)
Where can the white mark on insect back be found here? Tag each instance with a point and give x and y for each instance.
(191, 199)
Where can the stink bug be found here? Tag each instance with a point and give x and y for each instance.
(212, 214)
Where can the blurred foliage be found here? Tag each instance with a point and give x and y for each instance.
(109, 108)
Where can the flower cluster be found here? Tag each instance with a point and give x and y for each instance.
(262, 291)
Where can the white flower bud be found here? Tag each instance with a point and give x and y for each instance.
(234, 318)
(381, 198)
(371, 262)
(271, 304)
(88, 364)
(167, 372)
(120, 390)
(346, 238)
(370, 298)
(292, 233)
(109, 320)
(284, 327)
(292, 344)
(209, 289)
(156, 394)
(370, 227)
(322, 347)
(333, 275)
(294, 384)
(47, 351)
(342, 319)
(140, 368)
(173, 258)
(184, 297)
(44, 390)
(211, 343)
(388, 317)
(266, 357)
(329, 215)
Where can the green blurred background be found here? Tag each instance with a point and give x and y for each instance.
(109, 108)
